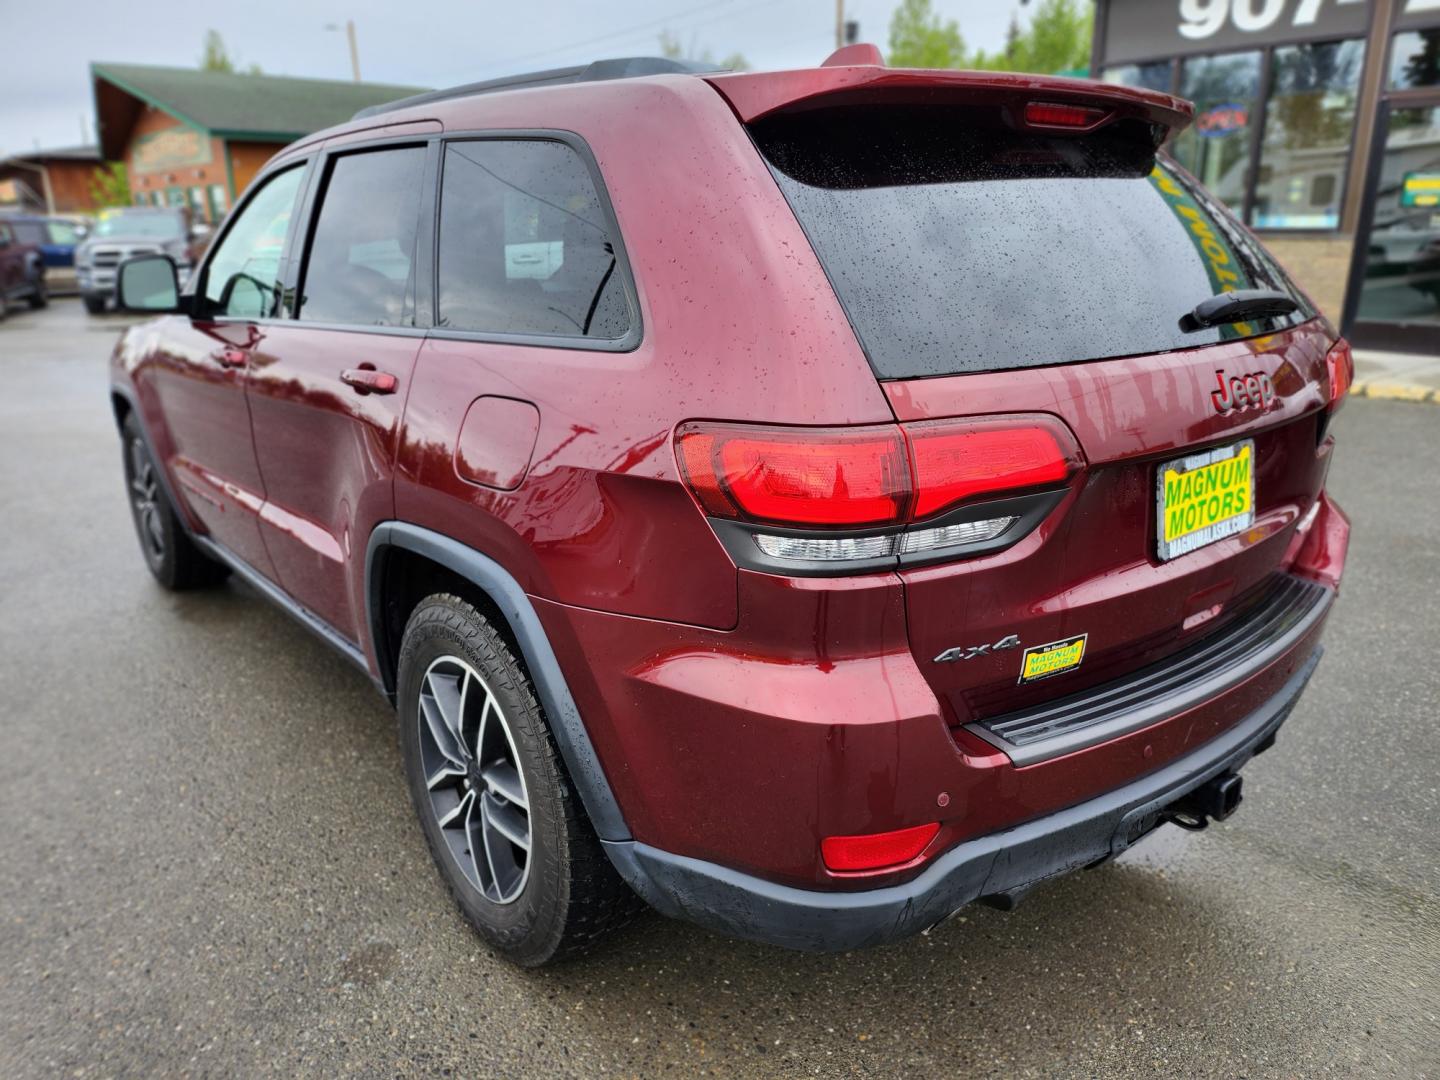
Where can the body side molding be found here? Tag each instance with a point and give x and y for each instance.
(492, 578)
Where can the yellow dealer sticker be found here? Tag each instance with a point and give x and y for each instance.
(1042, 661)
(1205, 497)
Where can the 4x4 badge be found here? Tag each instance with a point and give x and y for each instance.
(964, 652)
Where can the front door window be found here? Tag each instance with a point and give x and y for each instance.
(242, 278)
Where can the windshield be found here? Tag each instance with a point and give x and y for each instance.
(958, 244)
(149, 226)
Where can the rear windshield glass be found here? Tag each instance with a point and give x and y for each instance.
(957, 244)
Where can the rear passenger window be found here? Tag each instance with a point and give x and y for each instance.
(361, 264)
(525, 247)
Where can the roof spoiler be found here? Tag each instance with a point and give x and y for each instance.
(853, 75)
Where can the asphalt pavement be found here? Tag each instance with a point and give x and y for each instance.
(209, 864)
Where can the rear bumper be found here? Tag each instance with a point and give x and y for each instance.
(745, 906)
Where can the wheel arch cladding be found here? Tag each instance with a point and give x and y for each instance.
(522, 625)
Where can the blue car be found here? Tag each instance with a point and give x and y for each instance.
(57, 239)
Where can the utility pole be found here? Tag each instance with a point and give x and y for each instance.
(354, 49)
(839, 23)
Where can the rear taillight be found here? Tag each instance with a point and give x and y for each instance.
(826, 477)
(896, 491)
(954, 464)
(1340, 362)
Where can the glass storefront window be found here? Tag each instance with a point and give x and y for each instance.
(1216, 146)
(1402, 266)
(1415, 59)
(1309, 123)
(1153, 76)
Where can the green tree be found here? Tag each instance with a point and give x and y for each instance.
(671, 48)
(217, 58)
(921, 39)
(110, 185)
(1057, 39)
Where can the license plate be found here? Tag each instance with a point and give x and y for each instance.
(1205, 497)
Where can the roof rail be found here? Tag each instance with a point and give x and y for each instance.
(628, 67)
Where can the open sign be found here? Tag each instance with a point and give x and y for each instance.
(1222, 120)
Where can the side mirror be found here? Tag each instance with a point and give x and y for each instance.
(148, 284)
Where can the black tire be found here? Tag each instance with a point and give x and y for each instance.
(569, 896)
(168, 550)
(95, 305)
(39, 294)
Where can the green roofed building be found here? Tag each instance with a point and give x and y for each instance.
(197, 138)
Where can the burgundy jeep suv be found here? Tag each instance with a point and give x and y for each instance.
(810, 501)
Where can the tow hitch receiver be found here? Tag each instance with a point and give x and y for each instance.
(1214, 800)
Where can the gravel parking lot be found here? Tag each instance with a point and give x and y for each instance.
(209, 865)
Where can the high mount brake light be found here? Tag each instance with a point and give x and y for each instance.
(1052, 114)
(1340, 363)
(873, 480)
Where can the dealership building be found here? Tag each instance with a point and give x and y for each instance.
(196, 139)
(1318, 123)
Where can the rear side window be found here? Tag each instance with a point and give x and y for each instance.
(361, 264)
(524, 244)
(957, 244)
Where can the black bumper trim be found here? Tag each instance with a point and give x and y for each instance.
(1209, 667)
(744, 906)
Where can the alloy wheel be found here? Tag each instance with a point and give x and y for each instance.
(473, 779)
(145, 497)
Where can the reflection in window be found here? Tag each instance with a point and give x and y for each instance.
(1415, 59)
(1153, 76)
(1402, 265)
(362, 256)
(241, 277)
(1309, 123)
(1216, 146)
(524, 245)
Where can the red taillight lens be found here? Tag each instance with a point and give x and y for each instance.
(876, 850)
(1341, 364)
(868, 476)
(797, 476)
(1054, 115)
(958, 461)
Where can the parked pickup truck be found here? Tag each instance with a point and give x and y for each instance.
(123, 234)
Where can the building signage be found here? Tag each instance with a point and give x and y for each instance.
(170, 149)
(1159, 29)
(1222, 120)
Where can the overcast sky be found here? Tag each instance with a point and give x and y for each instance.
(47, 46)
